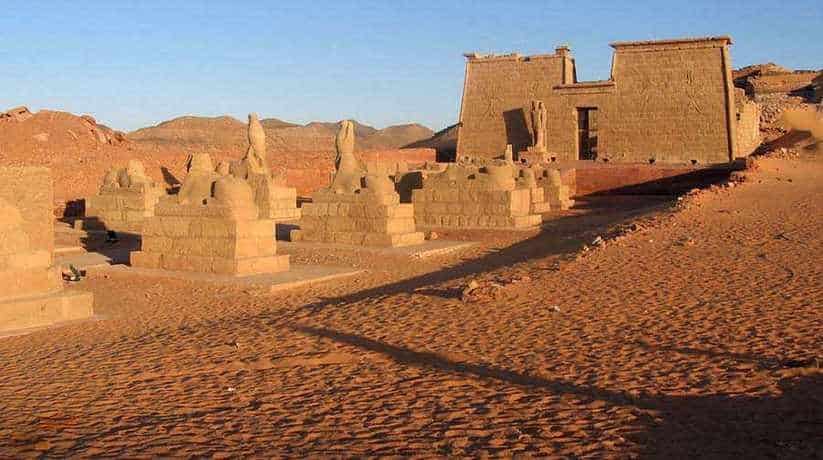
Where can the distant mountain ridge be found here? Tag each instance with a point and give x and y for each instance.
(225, 132)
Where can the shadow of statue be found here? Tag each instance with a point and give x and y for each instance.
(701, 426)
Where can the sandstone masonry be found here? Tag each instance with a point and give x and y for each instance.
(212, 225)
(31, 292)
(358, 208)
(667, 101)
(126, 198)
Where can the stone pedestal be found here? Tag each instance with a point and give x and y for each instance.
(361, 218)
(126, 198)
(278, 203)
(539, 203)
(31, 291)
(533, 155)
(465, 196)
(557, 194)
(122, 210)
(210, 238)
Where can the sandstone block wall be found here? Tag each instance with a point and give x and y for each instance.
(669, 100)
(275, 202)
(122, 210)
(557, 194)
(362, 219)
(209, 239)
(747, 115)
(31, 291)
(29, 189)
(460, 208)
(769, 83)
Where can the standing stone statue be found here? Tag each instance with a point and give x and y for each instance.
(508, 155)
(256, 153)
(349, 170)
(538, 125)
(255, 160)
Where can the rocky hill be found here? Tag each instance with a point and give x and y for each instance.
(227, 133)
(79, 150)
(444, 142)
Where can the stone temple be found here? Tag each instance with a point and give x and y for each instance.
(666, 101)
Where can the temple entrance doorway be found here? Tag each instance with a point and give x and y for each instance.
(587, 133)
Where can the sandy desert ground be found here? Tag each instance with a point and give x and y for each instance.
(694, 333)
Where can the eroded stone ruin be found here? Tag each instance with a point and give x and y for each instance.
(357, 208)
(474, 193)
(274, 200)
(126, 198)
(212, 225)
(31, 292)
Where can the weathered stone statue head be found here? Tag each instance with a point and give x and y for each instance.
(527, 178)
(501, 176)
(233, 192)
(200, 163)
(136, 173)
(349, 171)
(379, 184)
(223, 168)
(111, 180)
(197, 185)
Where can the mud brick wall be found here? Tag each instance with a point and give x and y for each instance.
(667, 100)
(29, 189)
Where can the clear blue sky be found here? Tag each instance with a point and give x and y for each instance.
(136, 63)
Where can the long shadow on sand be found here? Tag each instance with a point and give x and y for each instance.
(558, 237)
(713, 426)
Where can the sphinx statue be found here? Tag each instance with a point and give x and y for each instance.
(197, 186)
(349, 171)
(379, 184)
(111, 181)
(527, 178)
(233, 192)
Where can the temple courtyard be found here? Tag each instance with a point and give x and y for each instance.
(626, 326)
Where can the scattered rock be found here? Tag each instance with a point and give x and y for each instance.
(477, 292)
